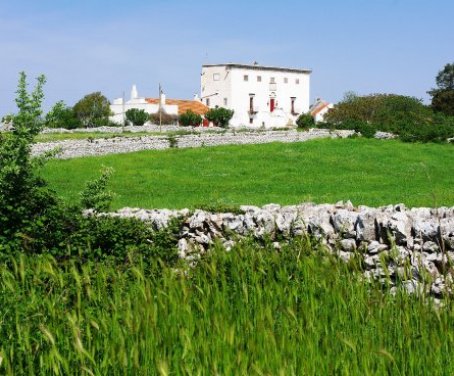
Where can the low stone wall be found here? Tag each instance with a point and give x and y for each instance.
(92, 147)
(406, 244)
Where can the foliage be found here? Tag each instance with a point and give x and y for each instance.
(61, 116)
(248, 311)
(443, 95)
(137, 116)
(93, 110)
(95, 195)
(165, 118)
(365, 171)
(190, 118)
(219, 116)
(34, 220)
(405, 116)
(443, 101)
(445, 78)
(25, 199)
(305, 121)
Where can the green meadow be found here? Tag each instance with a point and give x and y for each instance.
(367, 172)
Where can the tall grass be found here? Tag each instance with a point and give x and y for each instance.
(249, 311)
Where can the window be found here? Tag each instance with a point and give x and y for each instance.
(225, 102)
(246, 77)
(208, 101)
(272, 80)
(259, 78)
(285, 80)
(297, 81)
(216, 77)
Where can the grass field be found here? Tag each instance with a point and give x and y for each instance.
(49, 137)
(367, 172)
(246, 312)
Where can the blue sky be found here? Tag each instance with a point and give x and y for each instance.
(366, 46)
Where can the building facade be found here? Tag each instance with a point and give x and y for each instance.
(261, 96)
(173, 107)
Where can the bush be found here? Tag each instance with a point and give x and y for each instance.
(93, 110)
(137, 116)
(61, 116)
(166, 119)
(305, 121)
(219, 116)
(404, 116)
(190, 118)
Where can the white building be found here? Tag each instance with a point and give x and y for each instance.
(261, 96)
(119, 107)
(319, 109)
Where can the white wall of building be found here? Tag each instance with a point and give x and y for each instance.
(118, 108)
(227, 86)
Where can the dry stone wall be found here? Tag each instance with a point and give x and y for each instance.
(413, 245)
(102, 146)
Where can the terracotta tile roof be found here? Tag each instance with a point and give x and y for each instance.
(183, 105)
(319, 107)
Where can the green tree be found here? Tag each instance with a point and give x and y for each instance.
(137, 116)
(219, 116)
(61, 116)
(443, 95)
(305, 121)
(443, 101)
(24, 196)
(445, 78)
(190, 118)
(93, 110)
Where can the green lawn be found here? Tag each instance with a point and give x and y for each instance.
(367, 172)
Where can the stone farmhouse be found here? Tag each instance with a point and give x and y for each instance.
(261, 96)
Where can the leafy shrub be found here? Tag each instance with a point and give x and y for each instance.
(93, 110)
(34, 220)
(137, 116)
(165, 119)
(190, 118)
(305, 121)
(404, 116)
(219, 116)
(61, 116)
(95, 195)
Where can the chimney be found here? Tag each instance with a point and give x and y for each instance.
(162, 100)
(134, 93)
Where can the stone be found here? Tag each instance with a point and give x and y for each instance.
(365, 225)
(198, 219)
(183, 248)
(344, 222)
(375, 247)
(348, 245)
(430, 247)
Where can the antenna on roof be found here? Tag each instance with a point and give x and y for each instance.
(255, 63)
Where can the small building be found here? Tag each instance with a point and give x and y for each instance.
(319, 109)
(260, 96)
(173, 107)
(119, 106)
